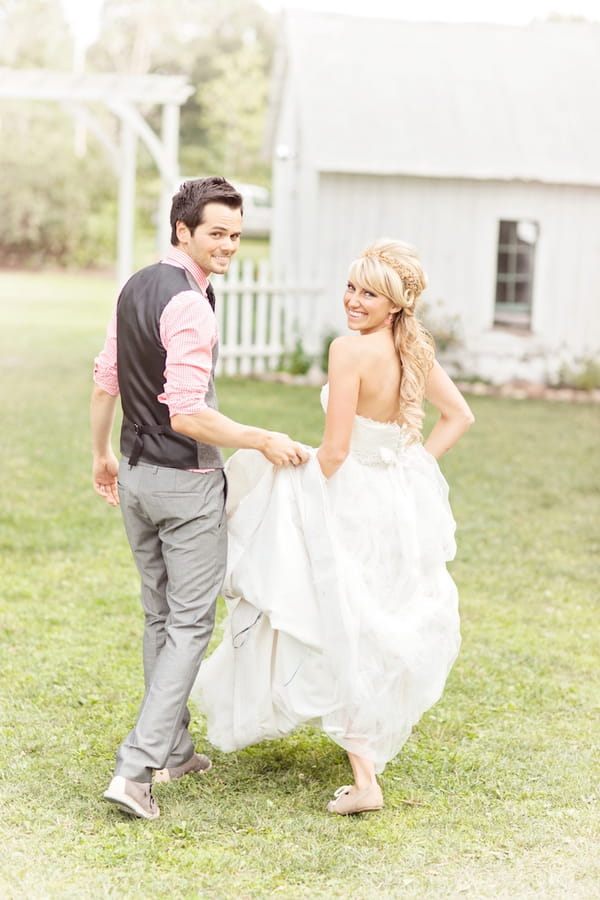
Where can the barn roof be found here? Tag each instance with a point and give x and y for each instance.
(446, 100)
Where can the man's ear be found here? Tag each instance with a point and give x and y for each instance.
(182, 231)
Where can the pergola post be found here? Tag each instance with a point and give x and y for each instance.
(126, 226)
(170, 142)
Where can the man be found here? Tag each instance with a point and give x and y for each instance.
(159, 355)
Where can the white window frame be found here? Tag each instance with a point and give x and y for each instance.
(515, 269)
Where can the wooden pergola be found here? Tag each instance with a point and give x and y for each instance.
(124, 96)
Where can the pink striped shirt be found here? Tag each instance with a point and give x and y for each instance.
(188, 331)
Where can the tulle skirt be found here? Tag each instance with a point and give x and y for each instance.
(341, 608)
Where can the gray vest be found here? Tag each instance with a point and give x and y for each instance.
(146, 433)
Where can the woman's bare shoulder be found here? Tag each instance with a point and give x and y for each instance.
(347, 346)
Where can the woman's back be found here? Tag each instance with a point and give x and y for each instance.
(380, 369)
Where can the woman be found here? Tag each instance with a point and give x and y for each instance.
(341, 607)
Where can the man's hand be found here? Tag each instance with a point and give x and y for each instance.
(104, 473)
(281, 450)
(209, 426)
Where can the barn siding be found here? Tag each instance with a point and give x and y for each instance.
(453, 223)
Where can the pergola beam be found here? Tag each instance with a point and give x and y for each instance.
(43, 84)
(121, 94)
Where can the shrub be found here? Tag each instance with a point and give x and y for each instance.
(327, 339)
(583, 375)
(58, 209)
(296, 361)
(443, 327)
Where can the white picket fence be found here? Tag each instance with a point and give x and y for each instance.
(260, 320)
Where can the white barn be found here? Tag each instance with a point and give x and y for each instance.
(478, 144)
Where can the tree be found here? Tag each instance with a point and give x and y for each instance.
(22, 46)
(63, 210)
(224, 47)
(233, 110)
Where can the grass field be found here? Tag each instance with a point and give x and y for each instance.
(496, 794)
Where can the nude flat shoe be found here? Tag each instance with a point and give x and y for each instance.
(347, 800)
(197, 763)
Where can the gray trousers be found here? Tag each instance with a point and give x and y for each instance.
(176, 527)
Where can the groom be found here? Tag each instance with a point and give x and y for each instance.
(159, 356)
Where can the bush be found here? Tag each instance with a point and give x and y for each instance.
(444, 328)
(296, 361)
(327, 339)
(583, 375)
(58, 209)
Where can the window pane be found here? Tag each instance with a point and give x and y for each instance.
(508, 232)
(522, 292)
(514, 272)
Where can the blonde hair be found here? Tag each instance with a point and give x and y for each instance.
(393, 269)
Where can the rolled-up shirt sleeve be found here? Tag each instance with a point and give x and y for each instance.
(105, 364)
(188, 331)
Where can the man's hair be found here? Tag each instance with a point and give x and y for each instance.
(191, 198)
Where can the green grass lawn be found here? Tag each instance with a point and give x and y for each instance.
(494, 796)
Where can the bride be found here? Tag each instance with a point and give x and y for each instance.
(341, 609)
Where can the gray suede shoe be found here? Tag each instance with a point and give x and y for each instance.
(132, 797)
(197, 764)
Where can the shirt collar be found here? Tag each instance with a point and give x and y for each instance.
(176, 257)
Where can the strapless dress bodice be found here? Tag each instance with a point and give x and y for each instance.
(373, 442)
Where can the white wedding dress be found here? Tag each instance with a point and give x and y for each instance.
(341, 609)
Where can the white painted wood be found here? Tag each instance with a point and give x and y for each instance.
(433, 134)
(126, 201)
(170, 142)
(259, 318)
(454, 225)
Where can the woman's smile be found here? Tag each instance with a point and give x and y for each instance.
(366, 311)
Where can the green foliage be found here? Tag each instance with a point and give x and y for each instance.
(494, 797)
(583, 374)
(256, 249)
(324, 361)
(234, 104)
(222, 124)
(224, 47)
(443, 327)
(33, 35)
(296, 361)
(58, 209)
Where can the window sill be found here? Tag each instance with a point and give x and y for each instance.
(517, 328)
